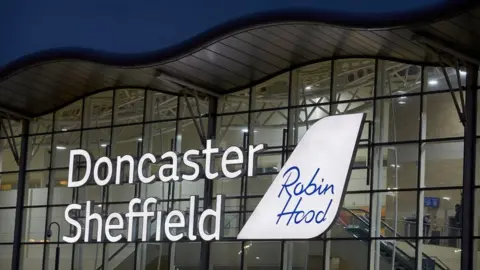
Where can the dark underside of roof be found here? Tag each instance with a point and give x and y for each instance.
(236, 60)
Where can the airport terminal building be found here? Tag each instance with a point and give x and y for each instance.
(412, 197)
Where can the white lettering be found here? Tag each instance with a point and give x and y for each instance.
(76, 224)
(71, 167)
(109, 226)
(96, 171)
(236, 161)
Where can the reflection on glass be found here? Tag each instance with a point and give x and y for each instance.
(231, 130)
(436, 79)
(62, 144)
(272, 93)
(400, 120)
(39, 152)
(444, 164)
(261, 255)
(353, 79)
(225, 255)
(98, 110)
(235, 102)
(69, 117)
(160, 106)
(399, 167)
(129, 105)
(399, 78)
(187, 255)
(268, 127)
(441, 117)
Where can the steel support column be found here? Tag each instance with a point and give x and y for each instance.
(17, 236)
(468, 197)
(208, 185)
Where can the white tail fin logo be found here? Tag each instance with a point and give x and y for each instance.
(304, 199)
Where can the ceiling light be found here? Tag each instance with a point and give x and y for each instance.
(463, 72)
(403, 97)
(244, 130)
(61, 147)
(103, 145)
(446, 198)
(308, 87)
(258, 258)
(433, 82)
(401, 102)
(395, 166)
(64, 129)
(139, 139)
(457, 250)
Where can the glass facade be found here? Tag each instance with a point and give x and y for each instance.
(402, 207)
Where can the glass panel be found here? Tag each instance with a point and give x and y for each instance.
(225, 255)
(188, 136)
(7, 225)
(160, 106)
(305, 255)
(16, 127)
(400, 78)
(193, 106)
(70, 117)
(35, 255)
(268, 127)
(153, 256)
(444, 164)
(89, 256)
(129, 106)
(397, 253)
(399, 167)
(354, 79)
(272, 93)
(357, 107)
(61, 193)
(159, 137)
(441, 117)
(342, 258)
(96, 141)
(39, 151)
(42, 124)
(186, 256)
(36, 188)
(304, 118)
(231, 130)
(262, 255)
(436, 78)
(127, 140)
(443, 211)
(98, 110)
(63, 143)
(8, 189)
(235, 102)
(400, 119)
(311, 84)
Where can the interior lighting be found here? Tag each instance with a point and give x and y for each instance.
(402, 102)
(61, 147)
(446, 198)
(308, 88)
(433, 82)
(395, 166)
(139, 139)
(103, 145)
(463, 72)
(64, 129)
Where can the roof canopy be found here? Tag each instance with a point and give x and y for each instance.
(231, 61)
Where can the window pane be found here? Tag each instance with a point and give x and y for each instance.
(70, 117)
(272, 93)
(129, 105)
(98, 110)
(262, 255)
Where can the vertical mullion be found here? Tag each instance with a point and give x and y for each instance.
(17, 236)
(75, 190)
(50, 188)
(468, 198)
(372, 163)
(418, 253)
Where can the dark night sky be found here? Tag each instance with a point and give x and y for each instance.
(119, 26)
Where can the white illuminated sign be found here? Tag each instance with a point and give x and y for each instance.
(302, 202)
(304, 199)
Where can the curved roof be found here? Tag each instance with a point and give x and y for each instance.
(230, 58)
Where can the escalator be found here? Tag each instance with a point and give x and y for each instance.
(350, 224)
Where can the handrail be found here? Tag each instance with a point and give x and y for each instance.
(365, 223)
(396, 233)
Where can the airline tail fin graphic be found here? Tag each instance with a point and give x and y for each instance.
(304, 199)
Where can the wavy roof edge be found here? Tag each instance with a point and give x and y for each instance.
(336, 19)
(236, 54)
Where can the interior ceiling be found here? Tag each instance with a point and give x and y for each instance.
(235, 61)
